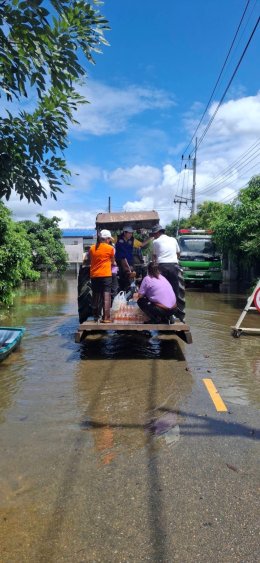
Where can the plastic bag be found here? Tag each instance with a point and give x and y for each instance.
(119, 301)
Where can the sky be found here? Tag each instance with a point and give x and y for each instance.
(148, 91)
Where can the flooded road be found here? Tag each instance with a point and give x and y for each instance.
(112, 450)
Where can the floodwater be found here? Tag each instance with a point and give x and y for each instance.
(70, 411)
(234, 363)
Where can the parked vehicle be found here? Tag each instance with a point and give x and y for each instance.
(10, 337)
(199, 259)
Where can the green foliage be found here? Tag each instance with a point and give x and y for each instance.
(172, 229)
(207, 212)
(48, 252)
(237, 227)
(43, 48)
(15, 256)
(203, 219)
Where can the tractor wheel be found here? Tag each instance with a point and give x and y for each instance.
(181, 298)
(84, 296)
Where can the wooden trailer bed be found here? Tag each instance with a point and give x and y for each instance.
(179, 329)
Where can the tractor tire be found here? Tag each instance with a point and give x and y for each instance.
(181, 297)
(84, 295)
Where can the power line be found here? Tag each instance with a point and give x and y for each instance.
(233, 164)
(229, 83)
(231, 197)
(226, 177)
(219, 77)
(242, 165)
(217, 185)
(228, 198)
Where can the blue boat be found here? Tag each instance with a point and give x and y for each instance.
(10, 337)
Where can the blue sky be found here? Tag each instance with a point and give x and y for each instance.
(148, 91)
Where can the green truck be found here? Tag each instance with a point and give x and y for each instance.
(199, 259)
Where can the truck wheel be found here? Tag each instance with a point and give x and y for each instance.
(181, 298)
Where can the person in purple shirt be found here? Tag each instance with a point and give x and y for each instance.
(156, 296)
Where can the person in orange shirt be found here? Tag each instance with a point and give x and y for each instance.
(101, 257)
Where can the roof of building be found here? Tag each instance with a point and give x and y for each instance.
(78, 233)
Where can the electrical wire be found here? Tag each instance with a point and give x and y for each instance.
(231, 197)
(233, 164)
(226, 178)
(243, 163)
(227, 87)
(228, 198)
(217, 185)
(219, 77)
(178, 182)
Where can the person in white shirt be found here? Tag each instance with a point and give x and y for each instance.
(166, 252)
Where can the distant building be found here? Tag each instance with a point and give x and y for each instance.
(75, 242)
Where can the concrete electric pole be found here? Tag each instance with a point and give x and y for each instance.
(194, 163)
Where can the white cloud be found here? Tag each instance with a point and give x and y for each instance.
(146, 203)
(83, 176)
(73, 197)
(73, 219)
(111, 108)
(237, 117)
(226, 160)
(135, 177)
(158, 196)
(69, 218)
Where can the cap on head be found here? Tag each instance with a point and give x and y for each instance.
(157, 229)
(105, 233)
(128, 229)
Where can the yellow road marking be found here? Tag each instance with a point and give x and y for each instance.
(215, 396)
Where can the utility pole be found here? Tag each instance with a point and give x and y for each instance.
(109, 204)
(194, 163)
(180, 200)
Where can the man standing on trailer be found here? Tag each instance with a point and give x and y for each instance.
(125, 257)
(166, 252)
(126, 246)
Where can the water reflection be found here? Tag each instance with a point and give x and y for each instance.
(49, 313)
(131, 346)
(122, 382)
(233, 363)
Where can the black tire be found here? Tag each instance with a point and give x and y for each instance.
(84, 295)
(236, 333)
(181, 304)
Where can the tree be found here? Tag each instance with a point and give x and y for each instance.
(171, 230)
(15, 256)
(237, 226)
(203, 219)
(48, 252)
(206, 214)
(43, 48)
